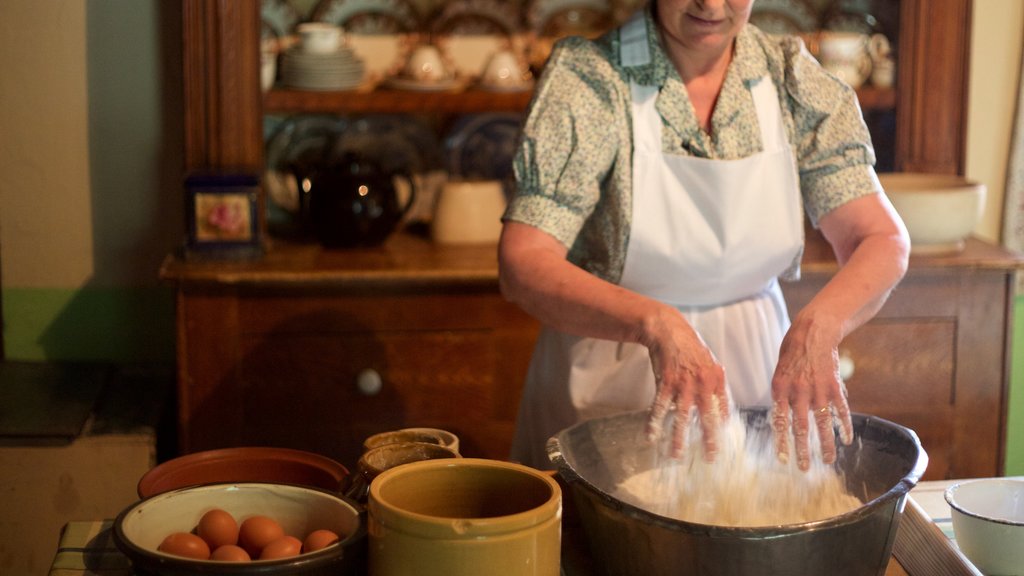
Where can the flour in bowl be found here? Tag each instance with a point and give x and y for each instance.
(746, 485)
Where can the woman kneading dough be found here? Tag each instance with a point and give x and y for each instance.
(662, 180)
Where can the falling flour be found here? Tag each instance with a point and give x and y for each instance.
(746, 485)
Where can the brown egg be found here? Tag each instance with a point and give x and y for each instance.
(230, 553)
(256, 532)
(318, 539)
(186, 545)
(283, 547)
(218, 528)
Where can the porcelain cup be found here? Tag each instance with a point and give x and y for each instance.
(504, 70)
(426, 64)
(319, 37)
(845, 54)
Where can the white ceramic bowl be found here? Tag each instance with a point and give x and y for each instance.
(988, 522)
(140, 528)
(940, 210)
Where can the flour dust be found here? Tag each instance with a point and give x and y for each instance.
(746, 485)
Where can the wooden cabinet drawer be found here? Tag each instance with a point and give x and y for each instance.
(303, 390)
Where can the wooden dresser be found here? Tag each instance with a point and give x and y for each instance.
(318, 349)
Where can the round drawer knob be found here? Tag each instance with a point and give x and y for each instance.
(846, 367)
(369, 382)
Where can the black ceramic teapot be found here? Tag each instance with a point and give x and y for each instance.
(353, 200)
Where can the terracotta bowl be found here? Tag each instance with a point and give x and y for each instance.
(139, 529)
(940, 210)
(246, 464)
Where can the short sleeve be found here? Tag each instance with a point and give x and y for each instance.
(569, 142)
(834, 151)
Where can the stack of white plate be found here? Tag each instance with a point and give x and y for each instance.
(338, 70)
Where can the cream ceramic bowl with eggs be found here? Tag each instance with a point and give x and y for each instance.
(140, 529)
(939, 210)
(988, 522)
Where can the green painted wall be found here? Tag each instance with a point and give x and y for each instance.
(1015, 427)
(91, 151)
(127, 325)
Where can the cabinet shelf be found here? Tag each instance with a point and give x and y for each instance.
(287, 101)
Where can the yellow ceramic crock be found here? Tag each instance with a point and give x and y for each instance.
(466, 516)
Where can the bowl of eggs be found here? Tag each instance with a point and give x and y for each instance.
(244, 528)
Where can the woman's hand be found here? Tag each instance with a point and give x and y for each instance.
(872, 247)
(687, 375)
(535, 274)
(806, 381)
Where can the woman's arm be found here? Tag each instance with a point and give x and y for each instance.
(534, 273)
(872, 248)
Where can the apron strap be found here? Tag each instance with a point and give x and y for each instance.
(769, 114)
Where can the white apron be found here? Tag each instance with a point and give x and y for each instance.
(709, 237)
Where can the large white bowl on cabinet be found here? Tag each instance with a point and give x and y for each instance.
(939, 210)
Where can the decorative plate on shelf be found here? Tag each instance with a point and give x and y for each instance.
(471, 31)
(401, 143)
(482, 146)
(784, 16)
(560, 18)
(476, 17)
(368, 16)
(280, 16)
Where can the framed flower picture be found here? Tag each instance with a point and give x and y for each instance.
(223, 219)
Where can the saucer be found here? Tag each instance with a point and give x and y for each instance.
(414, 85)
(506, 88)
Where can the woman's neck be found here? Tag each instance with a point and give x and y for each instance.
(692, 64)
(702, 72)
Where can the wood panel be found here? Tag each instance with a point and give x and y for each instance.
(931, 109)
(223, 110)
(281, 368)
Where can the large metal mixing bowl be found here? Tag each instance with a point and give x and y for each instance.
(884, 462)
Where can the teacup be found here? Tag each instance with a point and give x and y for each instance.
(319, 37)
(426, 64)
(845, 54)
(504, 70)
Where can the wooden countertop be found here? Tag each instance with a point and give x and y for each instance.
(411, 260)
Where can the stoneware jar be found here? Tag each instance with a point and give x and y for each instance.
(425, 436)
(463, 517)
(376, 461)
